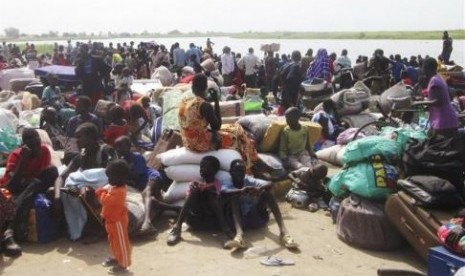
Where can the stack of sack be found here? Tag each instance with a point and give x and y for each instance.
(369, 176)
(183, 167)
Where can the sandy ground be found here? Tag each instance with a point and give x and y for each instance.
(321, 253)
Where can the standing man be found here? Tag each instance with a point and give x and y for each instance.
(227, 66)
(270, 70)
(179, 56)
(446, 47)
(250, 63)
(442, 116)
(193, 51)
(91, 70)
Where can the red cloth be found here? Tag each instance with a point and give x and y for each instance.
(113, 132)
(32, 168)
(187, 79)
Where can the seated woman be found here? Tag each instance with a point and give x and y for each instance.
(201, 129)
(320, 67)
(143, 178)
(53, 97)
(85, 169)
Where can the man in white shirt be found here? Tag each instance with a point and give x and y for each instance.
(227, 66)
(250, 63)
(342, 62)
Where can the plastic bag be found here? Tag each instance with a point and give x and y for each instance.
(374, 179)
(8, 140)
(362, 149)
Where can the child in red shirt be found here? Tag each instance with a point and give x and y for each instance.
(114, 212)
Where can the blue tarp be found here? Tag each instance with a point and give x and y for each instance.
(64, 73)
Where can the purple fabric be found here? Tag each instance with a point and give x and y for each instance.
(443, 116)
(319, 67)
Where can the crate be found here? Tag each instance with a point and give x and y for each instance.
(442, 262)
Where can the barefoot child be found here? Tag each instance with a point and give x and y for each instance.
(114, 212)
(294, 147)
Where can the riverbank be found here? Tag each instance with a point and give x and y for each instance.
(399, 35)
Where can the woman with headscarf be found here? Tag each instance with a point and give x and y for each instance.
(320, 67)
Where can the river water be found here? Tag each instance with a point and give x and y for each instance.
(355, 47)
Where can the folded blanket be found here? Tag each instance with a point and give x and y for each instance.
(75, 213)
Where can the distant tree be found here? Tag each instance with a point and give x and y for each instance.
(53, 33)
(12, 32)
(174, 32)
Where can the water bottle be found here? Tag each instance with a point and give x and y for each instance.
(422, 119)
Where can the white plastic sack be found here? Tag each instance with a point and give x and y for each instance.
(17, 73)
(332, 155)
(187, 173)
(8, 120)
(164, 75)
(176, 192)
(182, 155)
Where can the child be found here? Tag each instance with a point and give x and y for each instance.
(114, 212)
(123, 84)
(294, 148)
(52, 94)
(118, 126)
(249, 199)
(201, 196)
(311, 180)
(327, 119)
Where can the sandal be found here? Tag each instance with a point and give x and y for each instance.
(275, 261)
(288, 242)
(147, 229)
(313, 207)
(174, 237)
(109, 262)
(237, 242)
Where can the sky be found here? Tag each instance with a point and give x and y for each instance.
(136, 16)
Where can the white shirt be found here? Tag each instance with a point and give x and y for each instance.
(227, 64)
(249, 62)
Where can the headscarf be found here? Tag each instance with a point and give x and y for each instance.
(319, 67)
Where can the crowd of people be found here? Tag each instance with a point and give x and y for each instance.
(104, 152)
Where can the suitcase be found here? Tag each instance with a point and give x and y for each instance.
(417, 225)
(362, 223)
(442, 262)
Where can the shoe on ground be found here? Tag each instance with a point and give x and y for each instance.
(109, 262)
(288, 242)
(117, 270)
(11, 248)
(174, 236)
(237, 242)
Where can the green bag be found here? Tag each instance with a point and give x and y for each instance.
(362, 149)
(403, 134)
(8, 140)
(372, 179)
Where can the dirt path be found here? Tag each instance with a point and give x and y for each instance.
(201, 254)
